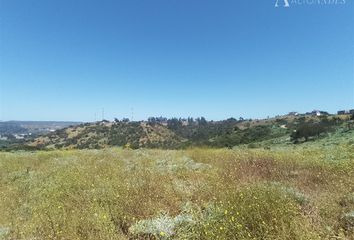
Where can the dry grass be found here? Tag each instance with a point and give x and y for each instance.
(191, 194)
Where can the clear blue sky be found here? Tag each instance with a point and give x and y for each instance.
(66, 59)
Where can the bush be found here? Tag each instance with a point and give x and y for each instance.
(307, 130)
(259, 212)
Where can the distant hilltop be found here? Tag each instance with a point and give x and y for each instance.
(175, 133)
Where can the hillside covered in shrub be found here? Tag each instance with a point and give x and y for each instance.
(182, 133)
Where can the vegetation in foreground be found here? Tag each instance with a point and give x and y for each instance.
(288, 193)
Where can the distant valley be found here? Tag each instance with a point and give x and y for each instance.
(22, 128)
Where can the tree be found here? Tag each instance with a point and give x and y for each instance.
(307, 130)
(174, 124)
(202, 121)
(152, 120)
(190, 120)
(125, 120)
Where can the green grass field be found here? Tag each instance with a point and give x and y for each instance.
(287, 193)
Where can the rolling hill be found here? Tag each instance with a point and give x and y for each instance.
(180, 133)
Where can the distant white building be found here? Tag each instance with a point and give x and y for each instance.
(19, 136)
(293, 113)
(319, 113)
(3, 138)
(184, 123)
(316, 113)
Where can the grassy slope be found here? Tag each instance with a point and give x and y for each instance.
(287, 193)
(329, 140)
